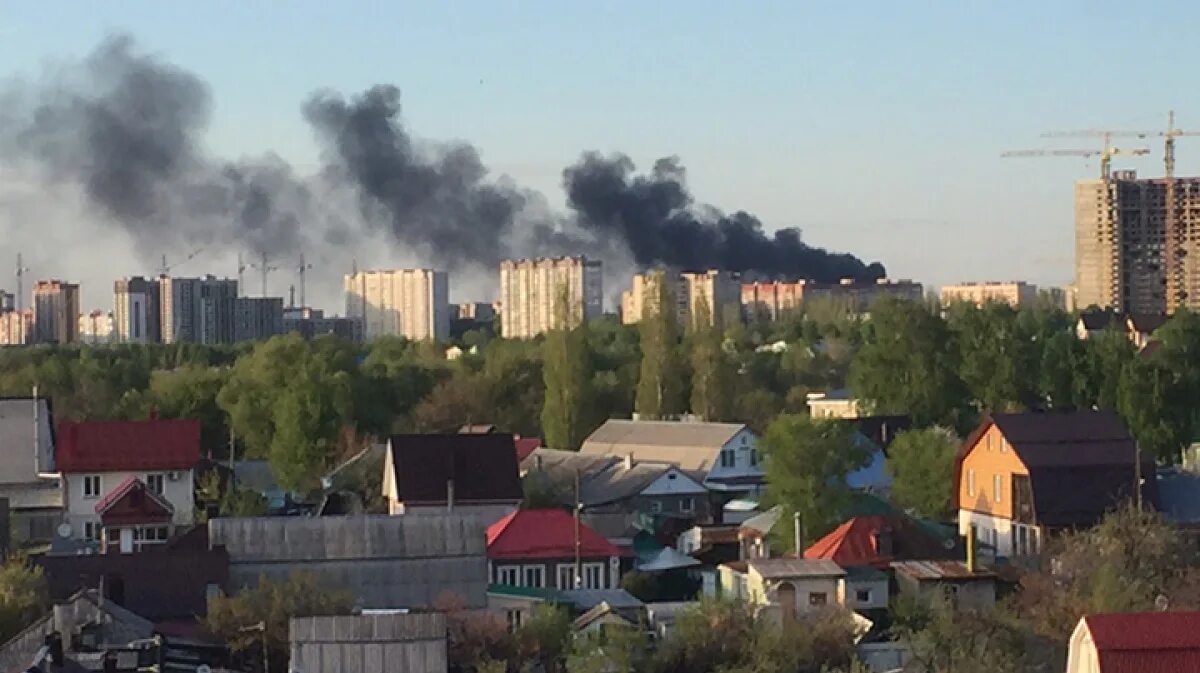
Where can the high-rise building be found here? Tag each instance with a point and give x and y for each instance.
(136, 316)
(96, 328)
(717, 290)
(16, 327)
(55, 312)
(1126, 256)
(773, 298)
(1017, 294)
(257, 318)
(412, 303)
(311, 322)
(7, 301)
(531, 291)
(197, 310)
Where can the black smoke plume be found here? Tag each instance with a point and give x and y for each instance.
(128, 129)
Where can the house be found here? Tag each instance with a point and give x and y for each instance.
(27, 475)
(1021, 476)
(385, 561)
(833, 404)
(875, 541)
(875, 434)
(475, 473)
(794, 586)
(964, 585)
(1139, 327)
(128, 483)
(516, 604)
(866, 589)
(539, 548)
(368, 642)
(725, 454)
(599, 610)
(1135, 642)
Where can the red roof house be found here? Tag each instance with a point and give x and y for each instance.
(877, 541)
(127, 446)
(536, 548)
(1140, 642)
(132, 503)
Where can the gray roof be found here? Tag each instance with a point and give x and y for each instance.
(586, 599)
(255, 475)
(17, 460)
(763, 522)
(940, 570)
(784, 568)
(692, 445)
(602, 479)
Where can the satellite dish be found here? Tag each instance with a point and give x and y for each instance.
(64, 530)
(948, 544)
(203, 668)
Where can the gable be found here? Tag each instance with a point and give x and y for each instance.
(986, 454)
(132, 502)
(674, 482)
(479, 468)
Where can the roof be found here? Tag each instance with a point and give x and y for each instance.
(1099, 320)
(784, 568)
(864, 574)
(17, 463)
(483, 468)
(525, 446)
(120, 446)
(1146, 642)
(600, 612)
(586, 599)
(854, 542)
(1147, 323)
(532, 593)
(940, 570)
(1179, 496)
(602, 479)
(692, 445)
(881, 430)
(132, 502)
(255, 475)
(762, 523)
(666, 559)
(544, 534)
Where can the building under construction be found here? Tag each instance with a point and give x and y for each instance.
(1132, 252)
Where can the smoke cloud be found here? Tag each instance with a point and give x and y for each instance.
(127, 130)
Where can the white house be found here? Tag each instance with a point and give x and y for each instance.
(793, 586)
(726, 454)
(128, 483)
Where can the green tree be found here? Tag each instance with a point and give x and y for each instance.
(272, 604)
(567, 413)
(807, 462)
(660, 387)
(23, 595)
(1158, 407)
(945, 640)
(993, 355)
(544, 640)
(1107, 354)
(908, 365)
(308, 419)
(921, 464)
(1064, 383)
(712, 380)
(618, 648)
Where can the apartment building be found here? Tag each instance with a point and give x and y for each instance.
(55, 312)
(412, 303)
(96, 328)
(530, 290)
(16, 327)
(1132, 253)
(136, 316)
(1017, 294)
(257, 318)
(312, 322)
(197, 310)
(718, 290)
(771, 299)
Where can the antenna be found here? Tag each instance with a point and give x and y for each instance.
(304, 267)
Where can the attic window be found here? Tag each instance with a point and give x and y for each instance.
(1003, 445)
(989, 442)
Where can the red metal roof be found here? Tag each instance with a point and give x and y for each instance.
(544, 534)
(118, 446)
(132, 502)
(853, 542)
(1146, 642)
(526, 446)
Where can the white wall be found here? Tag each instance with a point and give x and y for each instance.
(674, 482)
(180, 493)
(742, 444)
(878, 589)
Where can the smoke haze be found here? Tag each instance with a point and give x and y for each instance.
(125, 130)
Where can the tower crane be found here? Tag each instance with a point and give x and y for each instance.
(165, 268)
(265, 268)
(21, 271)
(303, 269)
(1105, 155)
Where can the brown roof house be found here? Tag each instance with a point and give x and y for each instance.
(1021, 476)
(469, 473)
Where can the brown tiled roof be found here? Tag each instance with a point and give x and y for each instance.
(482, 467)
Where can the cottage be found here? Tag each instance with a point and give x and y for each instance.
(961, 584)
(471, 473)
(129, 484)
(724, 454)
(544, 548)
(1021, 476)
(1142, 641)
(795, 586)
(878, 540)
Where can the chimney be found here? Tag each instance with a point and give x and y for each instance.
(449, 495)
(798, 532)
(883, 542)
(64, 624)
(629, 461)
(971, 549)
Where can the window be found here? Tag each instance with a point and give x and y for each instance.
(593, 576)
(971, 483)
(997, 484)
(514, 618)
(817, 598)
(753, 457)
(1003, 445)
(656, 506)
(154, 482)
(988, 441)
(687, 505)
(90, 529)
(509, 575)
(728, 459)
(863, 595)
(566, 576)
(91, 486)
(535, 576)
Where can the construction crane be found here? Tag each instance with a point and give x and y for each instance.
(1105, 155)
(165, 268)
(21, 271)
(303, 269)
(264, 267)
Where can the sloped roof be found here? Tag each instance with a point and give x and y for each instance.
(1146, 642)
(119, 446)
(692, 445)
(1147, 323)
(543, 534)
(940, 570)
(1099, 320)
(483, 468)
(147, 502)
(881, 430)
(17, 463)
(853, 542)
(526, 446)
(784, 568)
(602, 479)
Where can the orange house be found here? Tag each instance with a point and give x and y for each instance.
(1021, 476)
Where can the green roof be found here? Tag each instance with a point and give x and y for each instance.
(535, 593)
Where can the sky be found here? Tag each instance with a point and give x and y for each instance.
(876, 127)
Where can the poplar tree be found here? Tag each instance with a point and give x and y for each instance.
(567, 373)
(711, 376)
(660, 388)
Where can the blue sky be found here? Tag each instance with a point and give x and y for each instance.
(875, 126)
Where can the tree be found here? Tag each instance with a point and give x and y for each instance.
(618, 648)
(273, 604)
(660, 388)
(921, 464)
(1064, 384)
(908, 365)
(807, 462)
(545, 638)
(567, 374)
(23, 595)
(308, 419)
(1157, 406)
(945, 640)
(993, 353)
(712, 380)
(477, 641)
(1107, 354)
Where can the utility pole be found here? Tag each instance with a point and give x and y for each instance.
(578, 560)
